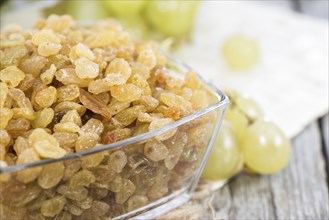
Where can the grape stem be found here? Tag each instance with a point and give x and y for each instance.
(235, 106)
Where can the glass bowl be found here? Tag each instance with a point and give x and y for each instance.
(83, 186)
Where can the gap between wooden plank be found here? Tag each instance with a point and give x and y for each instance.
(296, 5)
(300, 191)
(245, 197)
(324, 128)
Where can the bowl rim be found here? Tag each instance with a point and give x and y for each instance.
(223, 101)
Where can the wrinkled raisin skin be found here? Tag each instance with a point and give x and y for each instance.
(94, 104)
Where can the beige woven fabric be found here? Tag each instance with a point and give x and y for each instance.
(290, 82)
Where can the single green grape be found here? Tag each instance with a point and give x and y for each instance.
(171, 18)
(225, 159)
(238, 120)
(136, 27)
(242, 111)
(249, 107)
(124, 8)
(264, 147)
(240, 52)
(85, 10)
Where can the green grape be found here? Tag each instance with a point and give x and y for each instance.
(172, 18)
(264, 147)
(85, 10)
(225, 159)
(240, 52)
(249, 107)
(124, 8)
(136, 27)
(238, 120)
(242, 111)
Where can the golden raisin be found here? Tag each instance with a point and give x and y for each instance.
(17, 127)
(148, 58)
(3, 93)
(30, 174)
(129, 115)
(159, 123)
(5, 115)
(44, 36)
(94, 104)
(20, 99)
(67, 76)
(86, 69)
(115, 106)
(48, 76)
(155, 150)
(12, 76)
(59, 23)
(27, 82)
(47, 49)
(192, 80)
(43, 118)
(119, 67)
(68, 93)
(67, 105)
(33, 65)
(46, 97)
(126, 92)
(171, 99)
(100, 39)
(45, 144)
(83, 51)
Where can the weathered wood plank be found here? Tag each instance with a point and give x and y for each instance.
(317, 8)
(298, 192)
(301, 191)
(222, 203)
(251, 198)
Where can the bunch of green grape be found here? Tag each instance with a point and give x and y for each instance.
(246, 139)
(169, 18)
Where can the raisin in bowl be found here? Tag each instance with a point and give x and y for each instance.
(95, 124)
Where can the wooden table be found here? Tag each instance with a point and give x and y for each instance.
(300, 191)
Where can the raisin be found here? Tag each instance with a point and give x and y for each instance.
(92, 103)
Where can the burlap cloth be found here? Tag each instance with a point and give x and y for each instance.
(200, 206)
